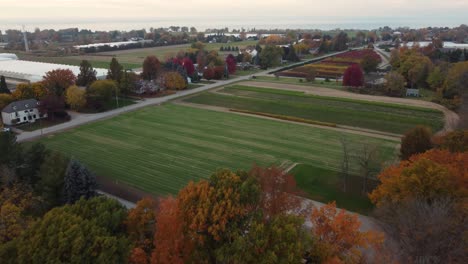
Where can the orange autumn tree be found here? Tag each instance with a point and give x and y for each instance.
(279, 191)
(431, 175)
(140, 225)
(170, 244)
(337, 234)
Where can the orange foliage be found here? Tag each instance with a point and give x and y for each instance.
(208, 209)
(138, 256)
(428, 175)
(278, 190)
(338, 235)
(169, 241)
(140, 227)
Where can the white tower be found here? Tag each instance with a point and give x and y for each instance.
(26, 46)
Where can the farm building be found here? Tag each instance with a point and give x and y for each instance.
(30, 71)
(21, 112)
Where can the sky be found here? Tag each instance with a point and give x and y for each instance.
(328, 11)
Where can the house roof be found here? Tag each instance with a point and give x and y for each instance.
(20, 106)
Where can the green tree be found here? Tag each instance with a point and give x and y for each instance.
(292, 56)
(369, 63)
(102, 90)
(457, 79)
(340, 42)
(395, 83)
(33, 157)
(3, 86)
(89, 231)
(87, 74)
(415, 68)
(78, 182)
(115, 70)
(270, 56)
(436, 78)
(52, 175)
(127, 82)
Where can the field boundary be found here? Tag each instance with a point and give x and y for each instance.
(284, 117)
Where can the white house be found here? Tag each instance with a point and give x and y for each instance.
(24, 111)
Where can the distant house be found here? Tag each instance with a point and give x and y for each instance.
(24, 111)
(412, 92)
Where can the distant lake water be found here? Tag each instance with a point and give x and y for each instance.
(239, 23)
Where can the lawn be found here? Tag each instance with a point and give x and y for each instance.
(326, 185)
(364, 114)
(160, 149)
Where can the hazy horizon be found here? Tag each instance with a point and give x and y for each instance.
(204, 14)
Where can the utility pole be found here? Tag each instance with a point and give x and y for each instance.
(25, 37)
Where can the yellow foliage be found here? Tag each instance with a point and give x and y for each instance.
(5, 99)
(75, 97)
(174, 81)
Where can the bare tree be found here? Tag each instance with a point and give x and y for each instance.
(426, 232)
(345, 161)
(367, 158)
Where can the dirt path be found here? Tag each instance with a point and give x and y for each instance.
(451, 119)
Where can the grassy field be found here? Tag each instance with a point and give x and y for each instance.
(160, 149)
(370, 115)
(326, 185)
(132, 58)
(332, 84)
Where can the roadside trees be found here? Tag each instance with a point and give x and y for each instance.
(270, 56)
(75, 97)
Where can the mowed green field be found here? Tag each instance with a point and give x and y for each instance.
(364, 114)
(160, 149)
(132, 58)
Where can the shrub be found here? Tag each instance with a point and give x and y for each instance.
(174, 81)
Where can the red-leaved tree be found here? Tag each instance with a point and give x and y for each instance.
(231, 63)
(188, 66)
(218, 72)
(209, 73)
(151, 66)
(353, 76)
(57, 81)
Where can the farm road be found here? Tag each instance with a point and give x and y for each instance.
(451, 119)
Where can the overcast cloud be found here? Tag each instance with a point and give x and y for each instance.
(148, 9)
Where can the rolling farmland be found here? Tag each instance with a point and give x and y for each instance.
(364, 114)
(160, 149)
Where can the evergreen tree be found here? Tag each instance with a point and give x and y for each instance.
(292, 56)
(115, 70)
(87, 74)
(3, 86)
(79, 182)
(52, 174)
